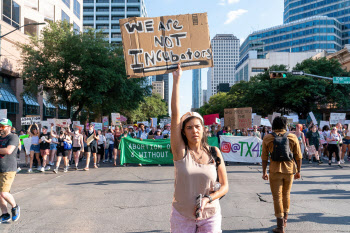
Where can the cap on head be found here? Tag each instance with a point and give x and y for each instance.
(5, 121)
(44, 127)
(190, 114)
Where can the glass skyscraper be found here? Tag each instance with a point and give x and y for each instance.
(105, 14)
(197, 96)
(308, 25)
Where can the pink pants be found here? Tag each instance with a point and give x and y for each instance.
(181, 224)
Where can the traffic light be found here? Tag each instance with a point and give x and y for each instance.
(278, 74)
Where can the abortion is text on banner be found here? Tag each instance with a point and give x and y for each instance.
(154, 46)
(30, 120)
(241, 149)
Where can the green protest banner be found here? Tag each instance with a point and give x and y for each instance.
(145, 152)
(149, 151)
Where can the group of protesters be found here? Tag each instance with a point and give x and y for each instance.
(72, 145)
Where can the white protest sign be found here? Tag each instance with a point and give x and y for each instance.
(115, 118)
(336, 118)
(257, 120)
(30, 120)
(241, 149)
(27, 142)
(63, 123)
(275, 114)
(76, 122)
(266, 122)
(97, 125)
(323, 123)
(313, 118)
(294, 117)
(347, 122)
(253, 115)
(155, 122)
(3, 113)
(222, 121)
(47, 124)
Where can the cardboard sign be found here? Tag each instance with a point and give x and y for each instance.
(115, 118)
(257, 120)
(336, 118)
(294, 117)
(238, 118)
(313, 118)
(270, 118)
(154, 46)
(30, 120)
(210, 119)
(323, 123)
(3, 113)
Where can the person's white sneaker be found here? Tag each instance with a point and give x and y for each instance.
(47, 168)
(42, 169)
(341, 161)
(18, 169)
(333, 160)
(39, 168)
(30, 170)
(65, 169)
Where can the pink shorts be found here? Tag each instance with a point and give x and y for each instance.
(181, 224)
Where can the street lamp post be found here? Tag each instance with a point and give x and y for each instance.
(29, 24)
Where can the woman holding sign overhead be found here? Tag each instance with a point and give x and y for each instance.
(200, 176)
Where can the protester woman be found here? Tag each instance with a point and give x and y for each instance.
(78, 145)
(158, 135)
(195, 171)
(326, 133)
(63, 139)
(125, 134)
(227, 131)
(101, 144)
(264, 132)
(244, 132)
(255, 132)
(117, 134)
(346, 143)
(53, 150)
(333, 146)
(35, 147)
(301, 137)
(313, 140)
(110, 140)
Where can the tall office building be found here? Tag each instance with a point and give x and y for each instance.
(105, 14)
(308, 25)
(165, 79)
(197, 97)
(226, 55)
(14, 14)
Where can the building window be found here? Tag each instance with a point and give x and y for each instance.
(102, 9)
(116, 35)
(102, 1)
(31, 30)
(11, 12)
(76, 28)
(117, 17)
(118, 1)
(65, 17)
(115, 26)
(133, 1)
(67, 2)
(102, 17)
(76, 8)
(88, 1)
(258, 69)
(118, 9)
(88, 9)
(85, 27)
(133, 9)
(88, 18)
(102, 26)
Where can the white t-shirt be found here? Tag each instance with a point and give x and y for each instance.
(110, 138)
(101, 140)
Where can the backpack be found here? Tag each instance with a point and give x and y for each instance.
(281, 150)
(67, 145)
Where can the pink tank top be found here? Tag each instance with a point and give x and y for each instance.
(192, 179)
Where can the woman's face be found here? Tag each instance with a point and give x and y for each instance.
(194, 130)
(314, 128)
(158, 133)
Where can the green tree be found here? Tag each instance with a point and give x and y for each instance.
(78, 70)
(152, 106)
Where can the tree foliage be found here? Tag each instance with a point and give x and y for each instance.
(300, 94)
(79, 70)
(152, 106)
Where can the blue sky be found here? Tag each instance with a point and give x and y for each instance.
(238, 17)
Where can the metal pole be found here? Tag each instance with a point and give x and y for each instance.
(21, 27)
(317, 76)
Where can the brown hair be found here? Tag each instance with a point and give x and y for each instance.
(204, 141)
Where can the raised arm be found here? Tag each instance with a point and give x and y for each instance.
(28, 131)
(177, 144)
(52, 134)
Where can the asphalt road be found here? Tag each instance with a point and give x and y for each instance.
(138, 199)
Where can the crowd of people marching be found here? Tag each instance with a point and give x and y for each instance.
(48, 149)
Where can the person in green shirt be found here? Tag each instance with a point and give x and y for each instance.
(227, 131)
(239, 133)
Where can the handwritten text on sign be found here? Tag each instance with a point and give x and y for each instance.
(150, 44)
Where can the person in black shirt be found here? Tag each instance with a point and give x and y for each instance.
(44, 140)
(8, 168)
(91, 146)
